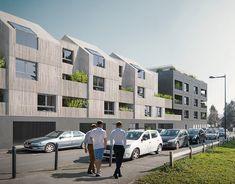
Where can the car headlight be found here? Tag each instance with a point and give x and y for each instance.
(172, 140)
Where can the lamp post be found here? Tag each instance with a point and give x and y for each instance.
(225, 113)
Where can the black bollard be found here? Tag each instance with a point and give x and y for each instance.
(56, 157)
(13, 152)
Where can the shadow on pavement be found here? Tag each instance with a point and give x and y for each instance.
(84, 159)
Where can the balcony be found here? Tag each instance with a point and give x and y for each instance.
(2, 108)
(172, 117)
(3, 78)
(73, 112)
(74, 89)
(126, 96)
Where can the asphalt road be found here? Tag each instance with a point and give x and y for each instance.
(30, 162)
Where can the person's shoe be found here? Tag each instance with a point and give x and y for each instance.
(90, 172)
(97, 175)
(115, 176)
(120, 175)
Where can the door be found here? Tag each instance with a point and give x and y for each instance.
(77, 138)
(155, 140)
(145, 145)
(65, 140)
(181, 139)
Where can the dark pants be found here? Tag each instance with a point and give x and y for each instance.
(119, 152)
(92, 158)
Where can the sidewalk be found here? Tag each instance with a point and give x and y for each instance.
(77, 172)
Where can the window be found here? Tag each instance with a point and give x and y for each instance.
(140, 92)
(1, 95)
(98, 83)
(154, 134)
(98, 59)
(186, 114)
(140, 71)
(195, 115)
(66, 76)
(158, 111)
(203, 104)
(195, 102)
(178, 85)
(120, 87)
(126, 107)
(66, 135)
(178, 99)
(46, 102)
(195, 90)
(186, 100)
(67, 56)
(133, 126)
(203, 115)
(146, 136)
(77, 134)
(186, 87)
(147, 111)
(120, 71)
(26, 69)
(25, 36)
(109, 108)
(203, 92)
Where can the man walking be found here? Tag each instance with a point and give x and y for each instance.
(99, 139)
(89, 146)
(118, 135)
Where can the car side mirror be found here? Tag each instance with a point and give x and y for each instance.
(61, 137)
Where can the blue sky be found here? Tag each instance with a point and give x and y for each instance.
(196, 36)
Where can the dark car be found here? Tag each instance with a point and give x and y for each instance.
(196, 135)
(64, 139)
(175, 138)
(212, 133)
(222, 132)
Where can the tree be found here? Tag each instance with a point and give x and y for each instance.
(213, 118)
(230, 114)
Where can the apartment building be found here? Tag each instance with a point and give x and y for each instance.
(48, 84)
(189, 96)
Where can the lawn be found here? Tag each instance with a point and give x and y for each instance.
(215, 166)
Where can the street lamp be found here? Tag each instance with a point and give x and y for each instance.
(225, 114)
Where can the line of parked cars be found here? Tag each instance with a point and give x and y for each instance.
(139, 142)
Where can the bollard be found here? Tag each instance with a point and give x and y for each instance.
(171, 159)
(203, 147)
(191, 152)
(13, 152)
(56, 157)
(111, 156)
(212, 146)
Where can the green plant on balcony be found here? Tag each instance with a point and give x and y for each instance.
(76, 102)
(178, 85)
(161, 95)
(168, 112)
(2, 62)
(79, 76)
(126, 109)
(130, 89)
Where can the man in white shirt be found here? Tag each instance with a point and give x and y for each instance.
(118, 135)
(99, 138)
(89, 146)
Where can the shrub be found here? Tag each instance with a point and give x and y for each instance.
(126, 109)
(161, 95)
(130, 89)
(75, 102)
(79, 76)
(2, 62)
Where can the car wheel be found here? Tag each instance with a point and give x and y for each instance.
(177, 146)
(49, 148)
(159, 149)
(135, 154)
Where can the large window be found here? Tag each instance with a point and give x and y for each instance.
(25, 36)
(203, 104)
(178, 85)
(147, 110)
(67, 56)
(195, 90)
(178, 99)
(46, 102)
(203, 92)
(203, 115)
(186, 87)
(120, 71)
(140, 71)
(140, 92)
(186, 100)
(26, 69)
(195, 115)
(98, 83)
(158, 111)
(98, 59)
(186, 114)
(195, 102)
(1, 95)
(109, 108)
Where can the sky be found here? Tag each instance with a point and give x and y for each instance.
(196, 36)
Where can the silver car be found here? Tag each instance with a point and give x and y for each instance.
(65, 139)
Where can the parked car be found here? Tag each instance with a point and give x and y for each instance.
(160, 130)
(221, 132)
(212, 133)
(175, 138)
(65, 139)
(196, 135)
(139, 142)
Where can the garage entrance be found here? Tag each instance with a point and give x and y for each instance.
(27, 130)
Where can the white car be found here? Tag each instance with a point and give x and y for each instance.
(140, 142)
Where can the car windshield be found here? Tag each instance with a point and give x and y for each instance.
(193, 131)
(54, 134)
(170, 133)
(133, 135)
(211, 131)
(221, 130)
